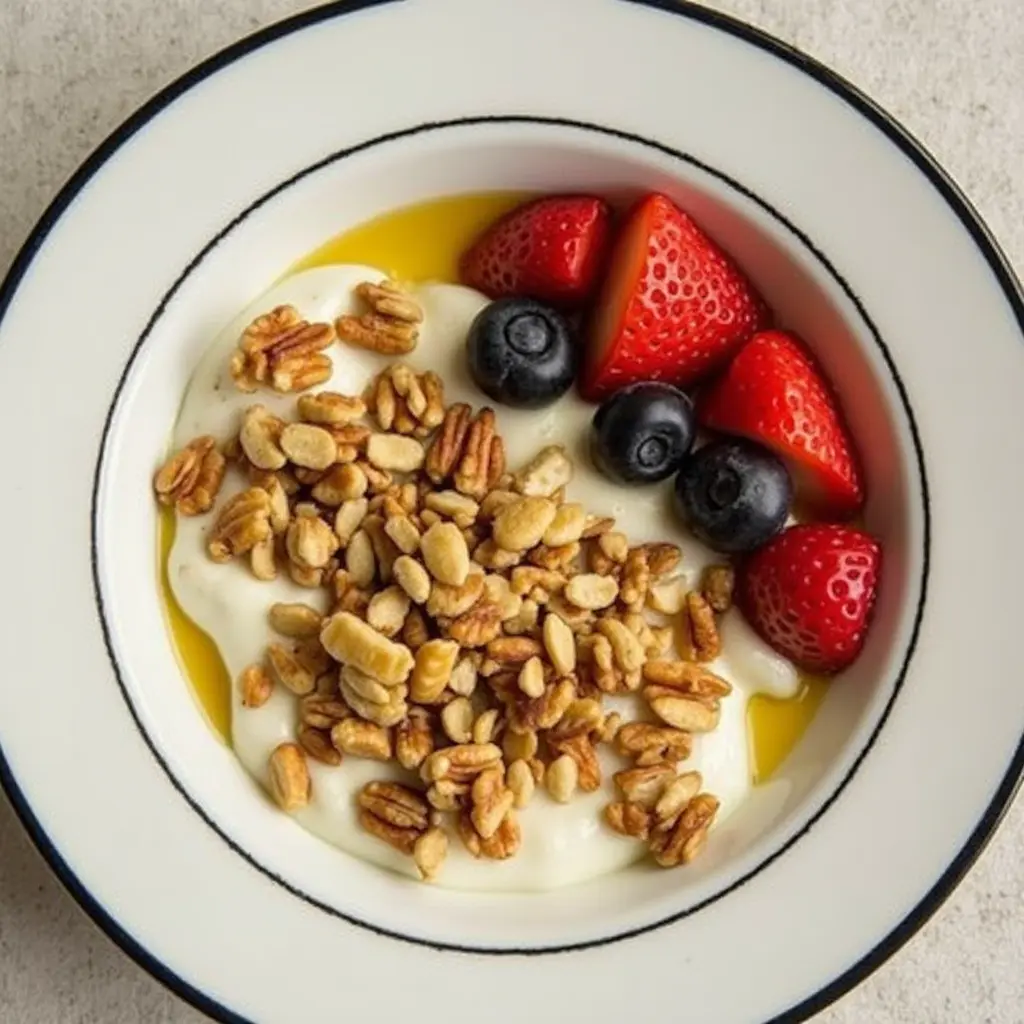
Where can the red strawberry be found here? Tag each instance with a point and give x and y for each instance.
(552, 249)
(674, 307)
(774, 393)
(809, 593)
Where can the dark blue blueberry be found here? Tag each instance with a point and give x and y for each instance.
(733, 495)
(642, 433)
(521, 353)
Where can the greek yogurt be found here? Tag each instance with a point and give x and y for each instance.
(562, 843)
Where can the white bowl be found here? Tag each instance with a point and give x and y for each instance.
(861, 245)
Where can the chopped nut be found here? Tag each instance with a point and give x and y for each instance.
(662, 558)
(653, 743)
(636, 578)
(519, 780)
(482, 462)
(521, 524)
(562, 778)
(256, 686)
(323, 711)
(614, 546)
(513, 650)
(556, 559)
(414, 739)
(450, 602)
(592, 591)
(684, 678)
(717, 586)
(330, 409)
(644, 785)
(288, 776)
(242, 522)
(384, 549)
(525, 621)
(703, 630)
(317, 745)
(295, 620)
(445, 553)
(415, 632)
(412, 578)
(520, 746)
(548, 471)
(348, 519)
(610, 727)
(596, 525)
(490, 800)
(308, 446)
(667, 597)
(403, 533)
(340, 484)
(434, 663)
(503, 844)
(494, 501)
(588, 767)
(498, 591)
(392, 326)
(395, 453)
(682, 843)
(566, 527)
(357, 738)
(448, 444)
(531, 678)
(628, 819)
(352, 642)
(387, 610)
(452, 505)
(394, 813)
(289, 670)
(486, 725)
(461, 763)
(674, 798)
(262, 560)
(429, 853)
(463, 677)
(490, 556)
(191, 478)
(282, 350)
(560, 644)
(359, 559)
(628, 652)
(310, 542)
(683, 713)
(457, 720)
(478, 627)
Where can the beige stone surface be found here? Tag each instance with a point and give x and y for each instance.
(951, 70)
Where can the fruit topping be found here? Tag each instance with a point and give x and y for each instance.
(673, 307)
(774, 393)
(643, 433)
(521, 353)
(733, 495)
(809, 593)
(552, 249)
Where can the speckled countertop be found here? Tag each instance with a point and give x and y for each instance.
(952, 71)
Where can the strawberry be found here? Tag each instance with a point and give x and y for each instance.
(809, 593)
(674, 307)
(552, 249)
(774, 393)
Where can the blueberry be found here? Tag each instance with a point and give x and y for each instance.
(734, 495)
(642, 433)
(521, 353)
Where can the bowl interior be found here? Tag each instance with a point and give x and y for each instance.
(239, 258)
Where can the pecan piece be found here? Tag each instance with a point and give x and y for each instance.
(191, 478)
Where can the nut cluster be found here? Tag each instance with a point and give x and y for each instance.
(477, 619)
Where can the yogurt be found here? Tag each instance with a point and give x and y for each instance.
(562, 843)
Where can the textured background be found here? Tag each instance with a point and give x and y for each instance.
(953, 72)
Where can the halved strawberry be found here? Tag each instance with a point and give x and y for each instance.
(552, 249)
(774, 393)
(673, 307)
(810, 592)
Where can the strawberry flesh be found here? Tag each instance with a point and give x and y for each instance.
(810, 592)
(674, 306)
(552, 249)
(774, 393)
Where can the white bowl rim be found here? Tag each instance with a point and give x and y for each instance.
(912, 148)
